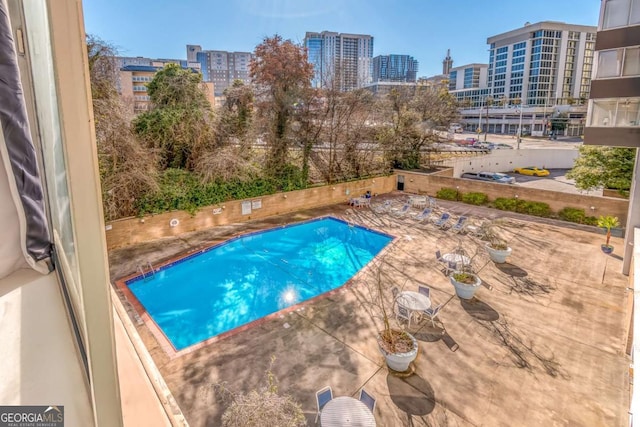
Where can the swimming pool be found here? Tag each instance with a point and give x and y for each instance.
(252, 276)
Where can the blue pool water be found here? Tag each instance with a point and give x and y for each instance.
(247, 278)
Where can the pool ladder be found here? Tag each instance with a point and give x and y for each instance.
(151, 271)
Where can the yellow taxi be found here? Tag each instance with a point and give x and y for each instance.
(531, 170)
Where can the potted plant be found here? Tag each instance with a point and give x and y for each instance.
(496, 246)
(398, 347)
(465, 283)
(608, 222)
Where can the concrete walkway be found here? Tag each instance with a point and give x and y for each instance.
(545, 346)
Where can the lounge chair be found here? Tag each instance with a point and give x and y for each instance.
(382, 208)
(402, 211)
(426, 212)
(459, 226)
(433, 313)
(368, 400)
(323, 396)
(443, 220)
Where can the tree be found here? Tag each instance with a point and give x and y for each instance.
(127, 169)
(600, 166)
(179, 125)
(283, 75)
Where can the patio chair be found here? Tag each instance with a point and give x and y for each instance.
(443, 220)
(381, 208)
(432, 202)
(323, 396)
(450, 267)
(402, 312)
(459, 226)
(402, 211)
(426, 212)
(424, 290)
(368, 400)
(433, 313)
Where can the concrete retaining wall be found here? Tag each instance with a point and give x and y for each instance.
(507, 160)
(129, 231)
(430, 184)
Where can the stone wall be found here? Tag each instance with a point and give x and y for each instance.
(129, 231)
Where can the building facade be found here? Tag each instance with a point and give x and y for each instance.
(132, 86)
(395, 68)
(447, 63)
(614, 104)
(541, 64)
(221, 67)
(343, 61)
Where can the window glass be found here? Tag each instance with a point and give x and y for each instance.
(631, 61)
(634, 16)
(628, 110)
(603, 113)
(616, 13)
(609, 62)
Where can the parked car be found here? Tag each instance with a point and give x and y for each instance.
(467, 141)
(532, 170)
(499, 146)
(497, 177)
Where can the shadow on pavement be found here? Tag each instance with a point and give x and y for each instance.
(479, 310)
(412, 395)
(511, 270)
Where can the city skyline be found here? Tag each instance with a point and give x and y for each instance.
(424, 31)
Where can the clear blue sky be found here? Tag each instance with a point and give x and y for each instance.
(424, 29)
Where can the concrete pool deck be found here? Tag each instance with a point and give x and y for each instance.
(545, 346)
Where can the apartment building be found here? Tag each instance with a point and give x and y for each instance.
(340, 60)
(395, 68)
(133, 80)
(221, 67)
(468, 83)
(614, 104)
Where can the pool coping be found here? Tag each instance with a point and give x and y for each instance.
(122, 285)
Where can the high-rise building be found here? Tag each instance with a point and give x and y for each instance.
(221, 67)
(340, 60)
(542, 63)
(614, 105)
(447, 63)
(468, 83)
(395, 68)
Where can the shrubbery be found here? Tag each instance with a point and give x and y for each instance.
(533, 208)
(475, 198)
(182, 190)
(577, 215)
(504, 204)
(448, 194)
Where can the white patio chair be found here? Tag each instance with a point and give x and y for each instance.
(368, 400)
(458, 227)
(402, 211)
(432, 313)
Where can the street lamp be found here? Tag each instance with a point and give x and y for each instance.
(520, 127)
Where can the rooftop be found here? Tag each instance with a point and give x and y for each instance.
(545, 346)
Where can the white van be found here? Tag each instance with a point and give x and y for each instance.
(455, 128)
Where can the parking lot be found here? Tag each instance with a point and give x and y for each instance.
(556, 181)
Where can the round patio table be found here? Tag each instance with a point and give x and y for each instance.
(414, 301)
(459, 259)
(345, 411)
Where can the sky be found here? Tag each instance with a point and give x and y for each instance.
(424, 29)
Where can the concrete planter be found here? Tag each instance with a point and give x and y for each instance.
(400, 361)
(465, 290)
(498, 256)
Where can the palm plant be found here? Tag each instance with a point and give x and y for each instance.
(608, 222)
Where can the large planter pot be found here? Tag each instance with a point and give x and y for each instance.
(499, 256)
(400, 361)
(465, 290)
(607, 249)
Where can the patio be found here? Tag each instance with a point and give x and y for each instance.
(544, 347)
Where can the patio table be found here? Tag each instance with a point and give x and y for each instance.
(359, 201)
(345, 411)
(413, 301)
(459, 259)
